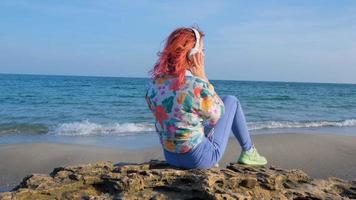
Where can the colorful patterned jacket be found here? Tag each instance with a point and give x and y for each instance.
(181, 114)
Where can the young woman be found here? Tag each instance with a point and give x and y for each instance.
(192, 122)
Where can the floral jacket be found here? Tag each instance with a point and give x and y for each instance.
(181, 114)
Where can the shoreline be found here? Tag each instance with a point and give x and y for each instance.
(319, 155)
(150, 139)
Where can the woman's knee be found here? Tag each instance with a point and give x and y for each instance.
(231, 99)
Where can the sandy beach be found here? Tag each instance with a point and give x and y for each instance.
(319, 155)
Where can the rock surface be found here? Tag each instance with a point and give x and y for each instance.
(157, 180)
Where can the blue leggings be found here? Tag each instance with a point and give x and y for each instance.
(207, 153)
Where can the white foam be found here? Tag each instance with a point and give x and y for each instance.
(86, 128)
(307, 124)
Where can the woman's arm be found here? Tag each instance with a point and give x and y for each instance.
(210, 106)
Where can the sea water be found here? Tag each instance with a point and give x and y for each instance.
(112, 111)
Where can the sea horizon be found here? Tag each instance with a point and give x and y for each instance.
(107, 76)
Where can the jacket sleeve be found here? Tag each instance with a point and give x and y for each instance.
(210, 106)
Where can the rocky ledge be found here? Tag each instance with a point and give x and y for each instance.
(157, 180)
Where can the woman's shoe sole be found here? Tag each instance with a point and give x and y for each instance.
(252, 163)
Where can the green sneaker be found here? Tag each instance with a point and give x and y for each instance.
(252, 158)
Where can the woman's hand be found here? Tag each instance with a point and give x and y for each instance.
(198, 68)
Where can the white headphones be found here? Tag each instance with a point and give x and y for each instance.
(197, 42)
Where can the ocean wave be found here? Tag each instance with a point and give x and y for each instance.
(300, 124)
(86, 128)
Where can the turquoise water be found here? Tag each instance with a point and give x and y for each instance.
(74, 108)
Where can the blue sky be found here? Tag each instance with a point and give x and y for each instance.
(301, 40)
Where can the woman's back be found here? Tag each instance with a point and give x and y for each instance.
(181, 113)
